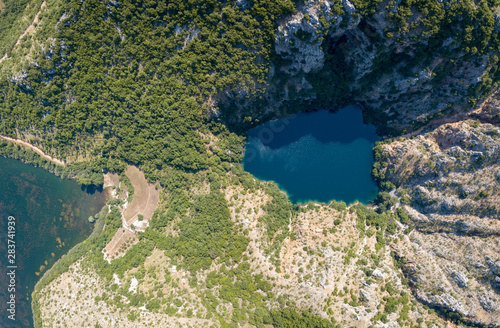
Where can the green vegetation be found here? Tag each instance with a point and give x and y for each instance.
(440, 22)
(380, 163)
(140, 77)
(86, 173)
(15, 17)
(278, 213)
(288, 318)
(92, 244)
(206, 235)
(385, 201)
(402, 215)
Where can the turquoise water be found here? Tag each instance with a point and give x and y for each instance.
(51, 216)
(319, 156)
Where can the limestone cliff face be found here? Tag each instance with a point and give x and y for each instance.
(388, 75)
(449, 179)
(447, 175)
(331, 54)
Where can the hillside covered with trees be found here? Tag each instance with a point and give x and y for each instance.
(172, 86)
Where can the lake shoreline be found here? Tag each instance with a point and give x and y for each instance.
(61, 265)
(37, 226)
(316, 156)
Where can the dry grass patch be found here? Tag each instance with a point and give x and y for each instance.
(121, 242)
(145, 199)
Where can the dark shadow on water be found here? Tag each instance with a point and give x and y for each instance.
(344, 126)
(318, 156)
(91, 189)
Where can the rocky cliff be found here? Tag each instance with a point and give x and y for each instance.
(402, 67)
(434, 83)
(447, 180)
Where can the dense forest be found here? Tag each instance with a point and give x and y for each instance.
(140, 82)
(142, 77)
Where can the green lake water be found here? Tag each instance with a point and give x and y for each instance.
(51, 216)
(319, 156)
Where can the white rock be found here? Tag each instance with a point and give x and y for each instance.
(348, 7)
(133, 286)
(117, 280)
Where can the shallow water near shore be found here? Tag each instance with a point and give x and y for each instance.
(51, 216)
(319, 156)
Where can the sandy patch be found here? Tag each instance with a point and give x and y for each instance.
(111, 180)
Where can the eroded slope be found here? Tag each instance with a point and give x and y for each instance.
(449, 181)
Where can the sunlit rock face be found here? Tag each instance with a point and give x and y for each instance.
(449, 178)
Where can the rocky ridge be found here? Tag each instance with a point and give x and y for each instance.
(331, 54)
(448, 181)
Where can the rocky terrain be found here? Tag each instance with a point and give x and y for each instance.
(448, 181)
(330, 264)
(331, 54)
(434, 89)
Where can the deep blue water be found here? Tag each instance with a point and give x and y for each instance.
(319, 156)
(51, 216)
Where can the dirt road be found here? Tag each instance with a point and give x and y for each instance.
(35, 149)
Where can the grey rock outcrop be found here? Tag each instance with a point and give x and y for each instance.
(449, 178)
(332, 54)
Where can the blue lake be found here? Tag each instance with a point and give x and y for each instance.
(51, 216)
(319, 156)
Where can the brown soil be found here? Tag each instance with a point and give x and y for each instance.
(112, 250)
(145, 199)
(111, 180)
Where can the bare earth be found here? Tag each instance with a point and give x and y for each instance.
(114, 248)
(145, 199)
(144, 202)
(35, 149)
(111, 180)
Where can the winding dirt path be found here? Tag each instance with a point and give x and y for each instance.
(451, 119)
(29, 29)
(32, 25)
(437, 121)
(35, 149)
